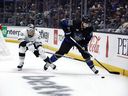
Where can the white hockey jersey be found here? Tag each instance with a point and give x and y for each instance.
(23, 36)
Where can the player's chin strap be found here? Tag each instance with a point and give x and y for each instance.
(112, 72)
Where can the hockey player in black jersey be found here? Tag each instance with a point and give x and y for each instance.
(81, 32)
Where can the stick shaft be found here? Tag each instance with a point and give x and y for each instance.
(112, 72)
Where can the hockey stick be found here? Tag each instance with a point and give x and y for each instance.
(112, 72)
(65, 56)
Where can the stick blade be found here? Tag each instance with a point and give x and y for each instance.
(117, 73)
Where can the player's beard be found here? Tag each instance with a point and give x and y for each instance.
(31, 35)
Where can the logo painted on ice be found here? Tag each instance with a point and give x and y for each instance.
(94, 44)
(45, 86)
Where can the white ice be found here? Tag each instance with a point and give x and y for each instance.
(71, 78)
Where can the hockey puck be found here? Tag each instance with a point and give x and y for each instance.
(102, 77)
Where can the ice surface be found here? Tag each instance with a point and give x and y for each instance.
(71, 78)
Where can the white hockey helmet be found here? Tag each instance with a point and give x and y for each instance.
(31, 30)
(31, 26)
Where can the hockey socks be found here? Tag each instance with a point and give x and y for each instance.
(54, 58)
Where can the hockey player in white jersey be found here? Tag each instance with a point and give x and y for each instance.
(30, 40)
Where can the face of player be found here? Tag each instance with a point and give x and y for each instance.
(31, 32)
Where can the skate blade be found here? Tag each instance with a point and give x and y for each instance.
(53, 66)
(19, 69)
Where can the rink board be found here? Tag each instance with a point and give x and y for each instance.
(110, 49)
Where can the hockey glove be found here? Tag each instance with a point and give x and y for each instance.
(38, 44)
(30, 46)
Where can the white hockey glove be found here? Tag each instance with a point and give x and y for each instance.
(30, 46)
(42, 53)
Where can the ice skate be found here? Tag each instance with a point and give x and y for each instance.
(46, 66)
(95, 70)
(51, 65)
(20, 66)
